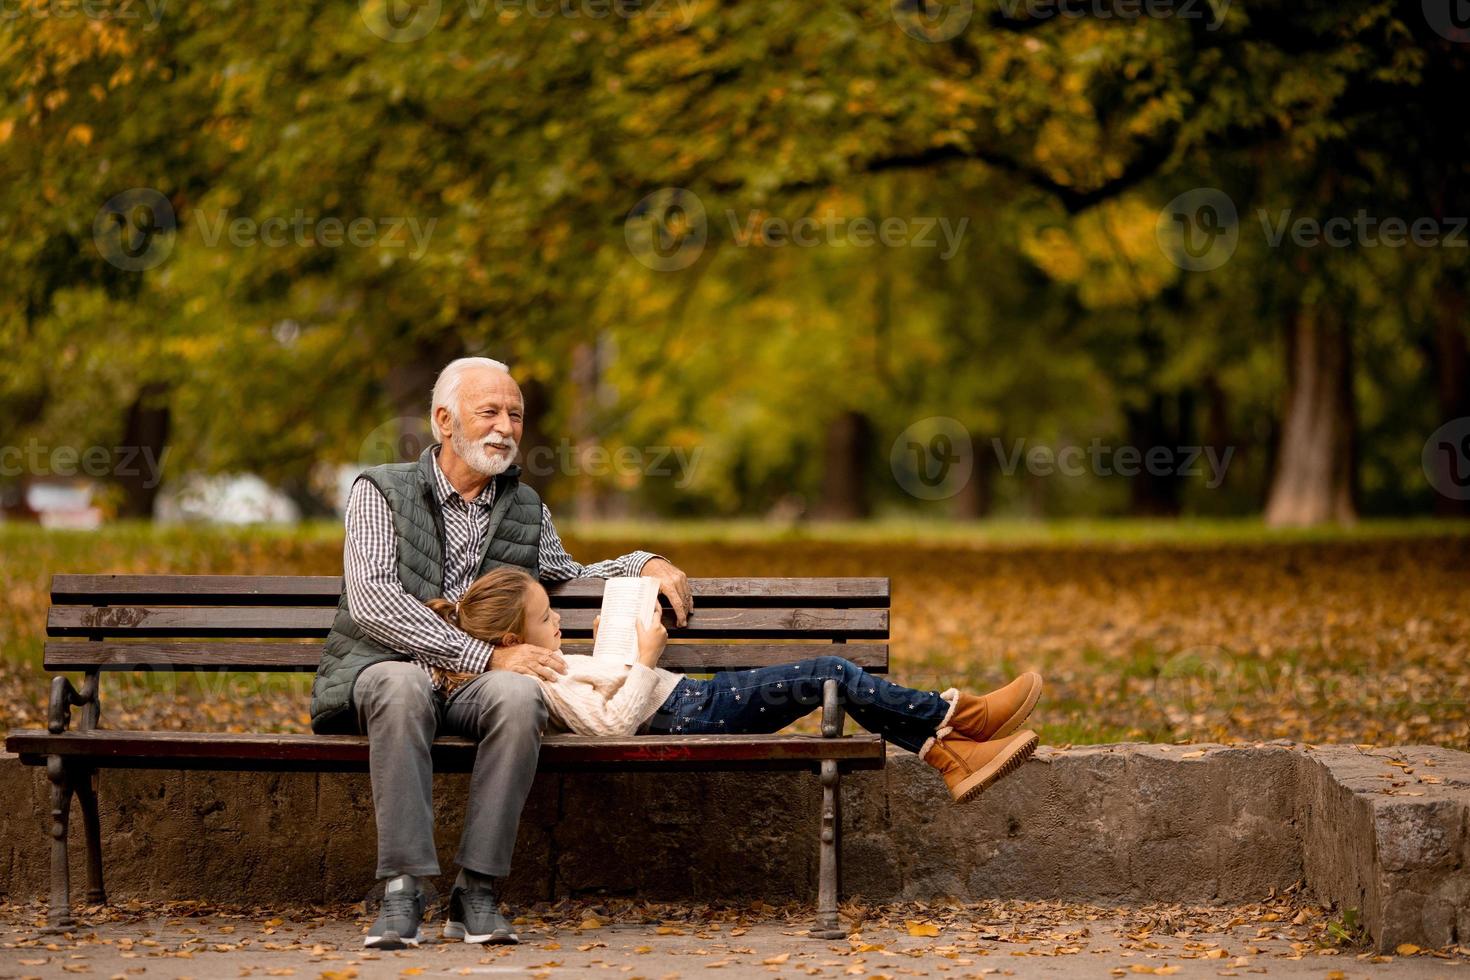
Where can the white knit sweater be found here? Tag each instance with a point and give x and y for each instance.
(600, 696)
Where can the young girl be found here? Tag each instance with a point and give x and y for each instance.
(972, 740)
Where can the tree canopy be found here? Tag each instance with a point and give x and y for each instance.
(260, 228)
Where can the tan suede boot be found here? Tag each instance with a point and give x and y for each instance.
(997, 714)
(969, 767)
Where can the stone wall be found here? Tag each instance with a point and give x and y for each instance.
(1120, 824)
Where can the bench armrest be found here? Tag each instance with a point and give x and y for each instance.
(831, 710)
(64, 695)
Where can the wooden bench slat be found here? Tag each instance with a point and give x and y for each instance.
(323, 590)
(303, 657)
(309, 622)
(224, 750)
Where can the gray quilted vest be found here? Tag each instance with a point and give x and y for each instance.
(514, 539)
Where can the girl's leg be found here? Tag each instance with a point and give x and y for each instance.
(905, 716)
(767, 699)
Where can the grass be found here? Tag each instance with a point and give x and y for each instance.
(1025, 533)
(1161, 631)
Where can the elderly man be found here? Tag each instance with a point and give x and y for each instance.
(425, 529)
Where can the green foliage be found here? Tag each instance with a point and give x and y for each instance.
(518, 144)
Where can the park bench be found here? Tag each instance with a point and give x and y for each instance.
(276, 623)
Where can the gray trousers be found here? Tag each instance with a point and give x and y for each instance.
(401, 713)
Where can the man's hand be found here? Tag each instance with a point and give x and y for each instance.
(523, 658)
(674, 584)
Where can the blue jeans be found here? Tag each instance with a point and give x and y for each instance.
(767, 699)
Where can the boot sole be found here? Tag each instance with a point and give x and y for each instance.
(392, 940)
(455, 930)
(999, 767)
(1013, 723)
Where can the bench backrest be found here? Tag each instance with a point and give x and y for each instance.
(277, 622)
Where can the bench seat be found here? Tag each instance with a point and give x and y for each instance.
(349, 753)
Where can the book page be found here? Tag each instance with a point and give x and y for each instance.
(626, 601)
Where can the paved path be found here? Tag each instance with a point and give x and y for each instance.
(143, 941)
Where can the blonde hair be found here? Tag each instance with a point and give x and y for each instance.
(492, 609)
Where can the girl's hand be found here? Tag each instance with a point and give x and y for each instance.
(651, 641)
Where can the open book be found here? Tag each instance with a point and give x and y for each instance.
(626, 601)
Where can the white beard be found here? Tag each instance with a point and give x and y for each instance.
(477, 457)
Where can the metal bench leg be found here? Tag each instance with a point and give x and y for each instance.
(829, 867)
(86, 789)
(58, 916)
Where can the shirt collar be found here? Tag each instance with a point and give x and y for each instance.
(446, 489)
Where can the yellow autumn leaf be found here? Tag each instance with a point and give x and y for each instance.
(776, 960)
(1406, 949)
(80, 133)
(410, 971)
(918, 928)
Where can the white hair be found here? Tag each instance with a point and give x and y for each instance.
(446, 388)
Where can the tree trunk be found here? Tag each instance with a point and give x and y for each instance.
(1157, 492)
(145, 433)
(309, 503)
(844, 495)
(976, 498)
(1452, 372)
(409, 386)
(538, 457)
(587, 492)
(1315, 479)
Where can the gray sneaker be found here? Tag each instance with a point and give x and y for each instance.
(398, 922)
(474, 916)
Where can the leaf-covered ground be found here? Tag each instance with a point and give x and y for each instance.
(1208, 635)
(1281, 935)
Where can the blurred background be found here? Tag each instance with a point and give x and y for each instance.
(1056, 311)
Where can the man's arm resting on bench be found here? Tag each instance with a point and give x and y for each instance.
(558, 566)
